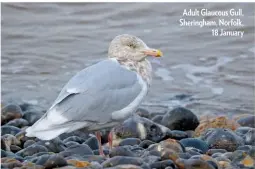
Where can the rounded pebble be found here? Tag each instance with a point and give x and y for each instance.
(180, 119)
(196, 143)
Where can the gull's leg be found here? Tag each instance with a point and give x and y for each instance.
(98, 135)
(110, 139)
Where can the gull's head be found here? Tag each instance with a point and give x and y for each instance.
(129, 47)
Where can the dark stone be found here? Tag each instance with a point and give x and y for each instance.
(177, 134)
(55, 161)
(28, 143)
(180, 119)
(10, 112)
(81, 149)
(18, 123)
(3, 153)
(249, 137)
(32, 117)
(222, 139)
(55, 145)
(74, 138)
(196, 143)
(31, 150)
(213, 164)
(242, 130)
(15, 148)
(146, 143)
(139, 127)
(150, 159)
(79, 133)
(248, 121)
(213, 151)
(41, 159)
(89, 158)
(245, 148)
(71, 143)
(121, 151)
(157, 118)
(117, 160)
(130, 141)
(184, 155)
(228, 155)
(9, 130)
(143, 113)
(221, 158)
(215, 155)
(163, 164)
(92, 142)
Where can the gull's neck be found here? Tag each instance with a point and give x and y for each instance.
(143, 68)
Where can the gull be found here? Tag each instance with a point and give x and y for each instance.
(102, 95)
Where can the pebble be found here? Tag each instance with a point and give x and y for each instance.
(143, 113)
(193, 164)
(15, 148)
(177, 134)
(180, 119)
(118, 160)
(196, 143)
(74, 138)
(28, 143)
(30, 150)
(92, 142)
(55, 145)
(139, 127)
(32, 117)
(157, 118)
(10, 112)
(248, 121)
(215, 122)
(21, 136)
(163, 164)
(125, 166)
(18, 123)
(7, 140)
(222, 139)
(71, 143)
(55, 161)
(9, 130)
(81, 149)
(78, 164)
(146, 143)
(121, 151)
(130, 141)
(249, 137)
(213, 151)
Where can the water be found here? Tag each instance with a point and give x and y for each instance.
(45, 44)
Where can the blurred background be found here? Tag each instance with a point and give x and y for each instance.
(45, 44)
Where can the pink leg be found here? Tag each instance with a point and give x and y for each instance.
(98, 135)
(110, 140)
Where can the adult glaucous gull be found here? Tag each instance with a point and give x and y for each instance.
(102, 95)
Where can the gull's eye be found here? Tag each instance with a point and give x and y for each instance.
(131, 46)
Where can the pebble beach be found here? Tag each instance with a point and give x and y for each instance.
(174, 139)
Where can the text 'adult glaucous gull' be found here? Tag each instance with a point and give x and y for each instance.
(102, 95)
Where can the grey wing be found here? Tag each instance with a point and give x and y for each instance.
(96, 92)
